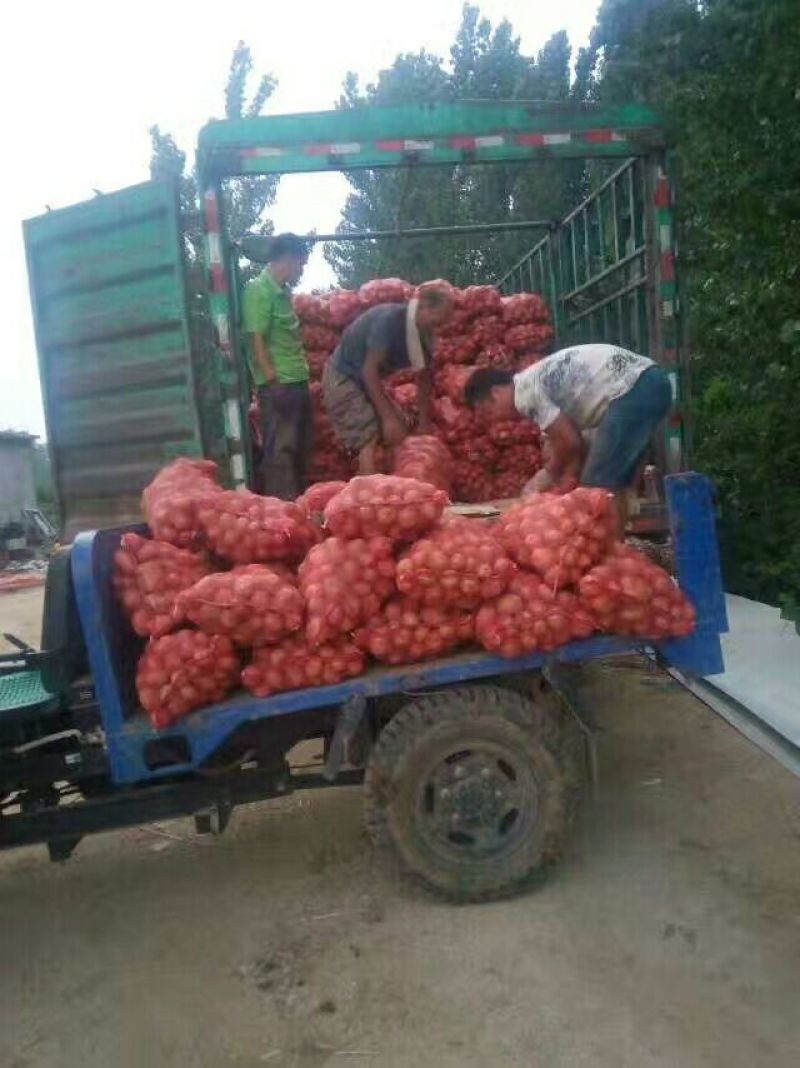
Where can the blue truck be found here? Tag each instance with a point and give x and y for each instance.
(471, 764)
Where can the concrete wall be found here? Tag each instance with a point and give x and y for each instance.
(17, 486)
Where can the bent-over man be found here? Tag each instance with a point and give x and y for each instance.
(618, 394)
(385, 339)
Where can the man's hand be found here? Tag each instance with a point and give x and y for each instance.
(393, 430)
(540, 483)
(264, 360)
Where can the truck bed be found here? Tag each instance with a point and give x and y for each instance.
(113, 649)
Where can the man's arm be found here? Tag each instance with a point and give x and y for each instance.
(257, 314)
(567, 449)
(424, 387)
(263, 358)
(391, 425)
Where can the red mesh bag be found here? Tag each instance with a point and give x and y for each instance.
(629, 594)
(183, 671)
(481, 300)
(497, 356)
(508, 483)
(525, 308)
(148, 576)
(529, 336)
(405, 632)
(513, 432)
(385, 291)
(171, 500)
(317, 358)
(399, 508)
(457, 349)
(401, 378)
(333, 466)
(452, 380)
(330, 461)
(453, 423)
(313, 501)
(471, 482)
(252, 605)
(244, 528)
(560, 537)
(294, 665)
(487, 330)
(480, 449)
(319, 337)
(460, 564)
(458, 323)
(530, 616)
(344, 583)
(406, 397)
(425, 458)
(343, 307)
(311, 308)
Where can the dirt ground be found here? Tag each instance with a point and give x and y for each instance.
(669, 936)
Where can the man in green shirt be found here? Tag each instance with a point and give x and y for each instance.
(279, 368)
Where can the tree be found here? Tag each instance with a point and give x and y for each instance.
(246, 199)
(724, 75)
(485, 63)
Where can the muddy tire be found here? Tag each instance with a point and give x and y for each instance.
(473, 790)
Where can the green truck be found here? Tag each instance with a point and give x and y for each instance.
(137, 366)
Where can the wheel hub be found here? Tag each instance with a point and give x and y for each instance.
(478, 800)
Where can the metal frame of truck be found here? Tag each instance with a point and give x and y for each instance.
(608, 268)
(131, 377)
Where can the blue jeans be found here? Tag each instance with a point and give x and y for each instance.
(625, 431)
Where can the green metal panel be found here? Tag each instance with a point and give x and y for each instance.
(608, 270)
(109, 306)
(480, 132)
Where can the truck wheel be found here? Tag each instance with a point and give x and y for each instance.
(468, 788)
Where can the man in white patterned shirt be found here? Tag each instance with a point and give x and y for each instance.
(618, 394)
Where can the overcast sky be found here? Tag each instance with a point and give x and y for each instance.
(82, 81)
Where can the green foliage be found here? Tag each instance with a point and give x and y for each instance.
(725, 76)
(245, 199)
(485, 63)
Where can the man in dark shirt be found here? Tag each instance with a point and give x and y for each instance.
(385, 339)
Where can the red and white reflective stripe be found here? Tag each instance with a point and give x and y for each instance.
(264, 152)
(405, 146)
(212, 211)
(466, 143)
(223, 332)
(214, 243)
(662, 197)
(665, 237)
(603, 137)
(471, 143)
(237, 469)
(535, 140)
(667, 309)
(344, 148)
(233, 419)
(214, 249)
